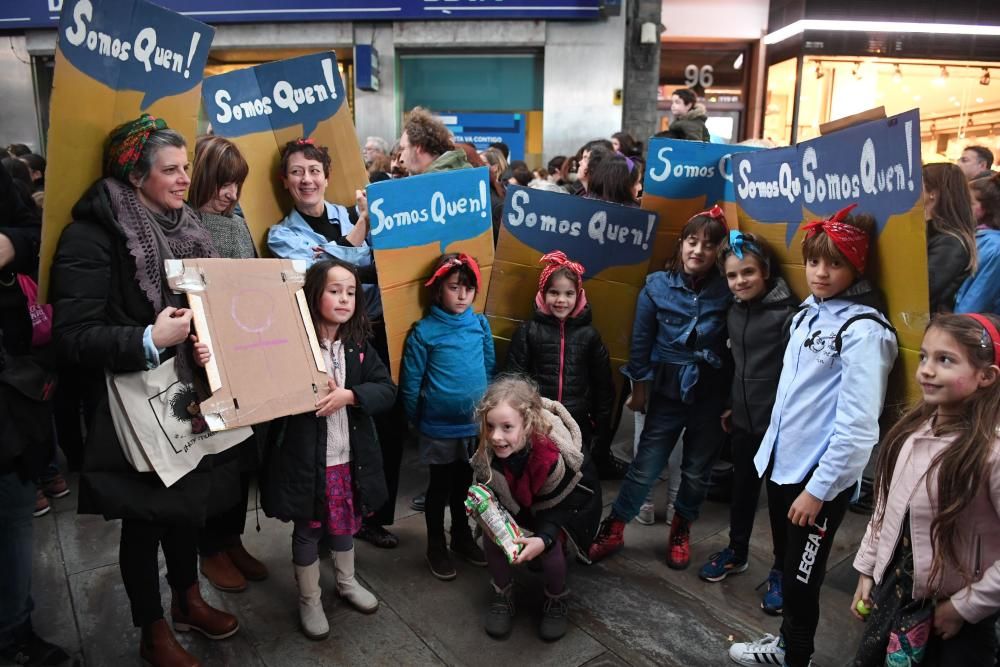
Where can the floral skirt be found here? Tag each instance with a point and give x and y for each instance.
(342, 518)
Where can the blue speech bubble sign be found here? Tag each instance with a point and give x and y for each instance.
(273, 96)
(135, 45)
(874, 164)
(679, 169)
(439, 208)
(595, 233)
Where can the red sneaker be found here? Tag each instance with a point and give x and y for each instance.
(679, 555)
(610, 539)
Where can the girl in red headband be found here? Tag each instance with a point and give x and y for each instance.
(929, 563)
(561, 351)
(447, 363)
(823, 426)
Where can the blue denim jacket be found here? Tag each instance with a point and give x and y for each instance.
(667, 314)
(980, 293)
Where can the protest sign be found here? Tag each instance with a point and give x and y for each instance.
(683, 178)
(612, 242)
(262, 108)
(414, 221)
(875, 165)
(115, 59)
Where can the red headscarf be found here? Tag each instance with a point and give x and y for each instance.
(716, 213)
(991, 331)
(554, 261)
(851, 241)
(458, 260)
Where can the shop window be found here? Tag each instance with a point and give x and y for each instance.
(717, 73)
(494, 82)
(780, 102)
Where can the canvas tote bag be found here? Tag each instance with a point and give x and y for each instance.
(159, 423)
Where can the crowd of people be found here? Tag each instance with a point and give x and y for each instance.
(720, 350)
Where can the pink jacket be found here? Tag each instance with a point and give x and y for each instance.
(979, 531)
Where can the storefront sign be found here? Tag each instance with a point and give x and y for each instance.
(483, 129)
(612, 242)
(19, 14)
(115, 59)
(683, 178)
(414, 221)
(262, 108)
(875, 165)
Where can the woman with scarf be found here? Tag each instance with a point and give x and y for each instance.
(115, 313)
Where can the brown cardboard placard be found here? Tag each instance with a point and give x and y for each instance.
(266, 360)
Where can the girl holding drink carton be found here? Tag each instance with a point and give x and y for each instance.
(531, 459)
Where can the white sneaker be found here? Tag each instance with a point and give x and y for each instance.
(767, 650)
(645, 516)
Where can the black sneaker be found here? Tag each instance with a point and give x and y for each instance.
(417, 503)
(377, 535)
(465, 546)
(34, 650)
(554, 618)
(440, 562)
(500, 613)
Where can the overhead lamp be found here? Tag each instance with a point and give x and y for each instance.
(897, 74)
(836, 25)
(819, 70)
(738, 63)
(984, 80)
(856, 72)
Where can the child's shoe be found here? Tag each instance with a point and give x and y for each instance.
(768, 650)
(348, 586)
(610, 539)
(679, 556)
(773, 601)
(439, 561)
(647, 514)
(311, 614)
(465, 546)
(554, 617)
(42, 506)
(722, 564)
(500, 613)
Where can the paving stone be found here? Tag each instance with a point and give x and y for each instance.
(53, 617)
(88, 541)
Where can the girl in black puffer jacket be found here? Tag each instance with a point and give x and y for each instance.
(561, 351)
(758, 324)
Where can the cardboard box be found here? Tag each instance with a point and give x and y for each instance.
(266, 359)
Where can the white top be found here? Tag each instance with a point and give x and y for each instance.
(338, 433)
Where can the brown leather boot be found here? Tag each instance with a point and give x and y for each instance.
(222, 573)
(252, 569)
(159, 647)
(190, 612)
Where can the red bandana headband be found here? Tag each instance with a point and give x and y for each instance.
(850, 241)
(991, 331)
(554, 261)
(446, 268)
(715, 213)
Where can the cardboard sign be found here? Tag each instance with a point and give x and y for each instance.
(414, 221)
(262, 108)
(612, 242)
(874, 164)
(266, 359)
(115, 59)
(683, 178)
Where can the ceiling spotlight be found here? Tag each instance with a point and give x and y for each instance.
(819, 70)
(897, 74)
(856, 71)
(984, 80)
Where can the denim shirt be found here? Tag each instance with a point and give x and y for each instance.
(668, 316)
(293, 238)
(826, 411)
(980, 293)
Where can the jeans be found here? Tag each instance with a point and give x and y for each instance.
(703, 438)
(137, 557)
(17, 502)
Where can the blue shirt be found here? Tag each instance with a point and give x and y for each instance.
(826, 411)
(293, 238)
(980, 293)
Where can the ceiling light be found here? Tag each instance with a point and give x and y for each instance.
(835, 25)
(984, 80)
(738, 63)
(979, 100)
(897, 74)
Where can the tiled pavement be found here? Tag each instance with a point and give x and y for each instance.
(630, 609)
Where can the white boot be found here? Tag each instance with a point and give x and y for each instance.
(348, 587)
(311, 614)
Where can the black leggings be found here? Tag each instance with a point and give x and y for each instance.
(448, 486)
(137, 558)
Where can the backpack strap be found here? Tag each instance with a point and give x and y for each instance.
(838, 341)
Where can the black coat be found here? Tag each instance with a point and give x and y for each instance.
(758, 333)
(569, 362)
(294, 472)
(100, 316)
(947, 269)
